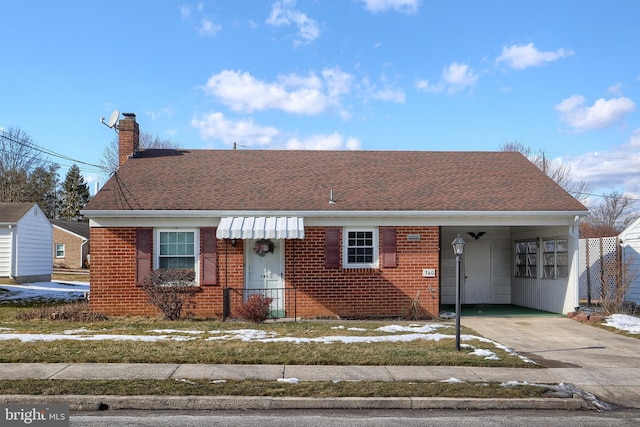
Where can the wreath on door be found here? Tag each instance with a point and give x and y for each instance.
(263, 247)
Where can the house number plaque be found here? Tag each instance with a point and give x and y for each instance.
(429, 272)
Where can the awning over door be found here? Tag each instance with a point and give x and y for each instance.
(261, 227)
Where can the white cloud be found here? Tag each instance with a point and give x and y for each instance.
(601, 114)
(615, 89)
(244, 132)
(458, 77)
(306, 95)
(616, 169)
(427, 86)
(208, 27)
(391, 95)
(185, 12)
(455, 78)
(333, 141)
(283, 12)
(160, 114)
(524, 56)
(404, 6)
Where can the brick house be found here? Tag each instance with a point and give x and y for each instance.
(332, 233)
(70, 244)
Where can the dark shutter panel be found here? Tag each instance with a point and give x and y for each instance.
(332, 248)
(143, 254)
(389, 245)
(208, 257)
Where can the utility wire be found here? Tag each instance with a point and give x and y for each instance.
(46, 151)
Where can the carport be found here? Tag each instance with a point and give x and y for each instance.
(533, 266)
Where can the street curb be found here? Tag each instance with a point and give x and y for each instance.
(109, 402)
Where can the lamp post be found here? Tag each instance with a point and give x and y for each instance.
(458, 247)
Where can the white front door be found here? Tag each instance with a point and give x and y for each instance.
(265, 272)
(477, 274)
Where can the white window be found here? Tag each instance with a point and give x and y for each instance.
(59, 250)
(176, 249)
(556, 258)
(526, 258)
(360, 248)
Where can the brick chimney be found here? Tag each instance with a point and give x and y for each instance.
(128, 137)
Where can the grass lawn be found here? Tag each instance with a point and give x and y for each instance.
(318, 389)
(198, 347)
(198, 341)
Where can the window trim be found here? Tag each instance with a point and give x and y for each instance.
(64, 252)
(345, 247)
(196, 247)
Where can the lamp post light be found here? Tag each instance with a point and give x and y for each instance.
(458, 248)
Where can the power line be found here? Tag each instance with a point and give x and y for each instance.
(46, 151)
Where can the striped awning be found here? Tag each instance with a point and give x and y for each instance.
(261, 227)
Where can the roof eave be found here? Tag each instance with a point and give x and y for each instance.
(320, 214)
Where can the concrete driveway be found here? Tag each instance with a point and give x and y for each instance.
(601, 362)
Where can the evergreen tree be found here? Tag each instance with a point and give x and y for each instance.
(74, 195)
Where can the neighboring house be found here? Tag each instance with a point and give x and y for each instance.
(630, 242)
(70, 244)
(355, 233)
(25, 243)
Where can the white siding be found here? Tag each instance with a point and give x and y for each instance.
(631, 252)
(500, 239)
(553, 295)
(5, 252)
(34, 240)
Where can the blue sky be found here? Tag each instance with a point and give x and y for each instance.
(562, 77)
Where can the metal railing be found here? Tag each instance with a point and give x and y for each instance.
(284, 301)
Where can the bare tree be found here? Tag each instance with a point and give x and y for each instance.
(110, 160)
(615, 280)
(554, 169)
(25, 176)
(616, 211)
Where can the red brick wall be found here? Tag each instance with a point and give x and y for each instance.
(113, 271)
(364, 292)
(321, 291)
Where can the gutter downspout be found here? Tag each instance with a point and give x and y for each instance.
(84, 242)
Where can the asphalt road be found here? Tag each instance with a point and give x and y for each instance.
(358, 418)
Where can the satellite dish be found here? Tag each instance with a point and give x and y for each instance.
(113, 119)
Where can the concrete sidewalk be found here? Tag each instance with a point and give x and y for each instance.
(124, 371)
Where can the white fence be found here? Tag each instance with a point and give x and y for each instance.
(599, 263)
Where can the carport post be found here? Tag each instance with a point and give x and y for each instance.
(458, 248)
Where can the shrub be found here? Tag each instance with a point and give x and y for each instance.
(256, 309)
(75, 311)
(172, 291)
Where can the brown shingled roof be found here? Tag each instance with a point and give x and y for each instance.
(13, 212)
(245, 180)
